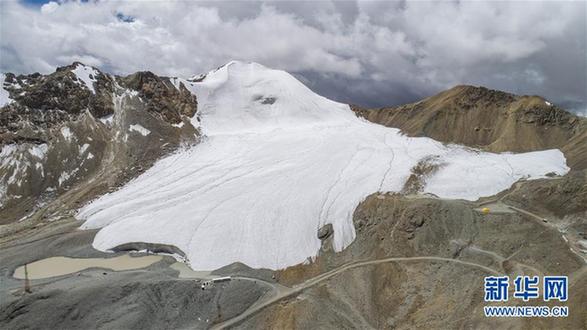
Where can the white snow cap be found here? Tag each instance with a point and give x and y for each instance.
(4, 95)
(87, 75)
(278, 163)
(139, 129)
(248, 97)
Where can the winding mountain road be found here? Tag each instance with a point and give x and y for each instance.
(328, 275)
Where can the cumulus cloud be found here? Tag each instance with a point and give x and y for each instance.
(370, 53)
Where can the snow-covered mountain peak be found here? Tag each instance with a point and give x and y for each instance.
(249, 97)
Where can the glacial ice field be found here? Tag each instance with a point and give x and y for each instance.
(276, 163)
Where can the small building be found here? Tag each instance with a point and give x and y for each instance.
(221, 279)
(209, 283)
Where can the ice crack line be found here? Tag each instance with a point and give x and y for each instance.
(390, 165)
(329, 192)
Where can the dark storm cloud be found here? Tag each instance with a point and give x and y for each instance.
(369, 53)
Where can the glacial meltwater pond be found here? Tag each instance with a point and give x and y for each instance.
(186, 272)
(58, 266)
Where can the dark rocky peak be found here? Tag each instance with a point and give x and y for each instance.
(162, 96)
(48, 100)
(73, 66)
(138, 80)
(57, 132)
(71, 89)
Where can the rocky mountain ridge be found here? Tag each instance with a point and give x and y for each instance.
(491, 120)
(81, 128)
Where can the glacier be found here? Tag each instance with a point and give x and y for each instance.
(276, 163)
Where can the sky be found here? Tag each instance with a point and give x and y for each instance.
(368, 53)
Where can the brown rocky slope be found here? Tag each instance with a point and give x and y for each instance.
(491, 120)
(438, 253)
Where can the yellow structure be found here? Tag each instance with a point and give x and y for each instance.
(485, 210)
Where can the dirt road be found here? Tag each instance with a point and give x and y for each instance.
(325, 276)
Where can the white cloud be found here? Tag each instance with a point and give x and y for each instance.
(49, 7)
(375, 46)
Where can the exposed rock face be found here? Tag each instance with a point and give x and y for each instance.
(491, 120)
(417, 180)
(42, 102)
(325, 231)
(162, 96)
(63, 91)
(557, 197)
(78, 133)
